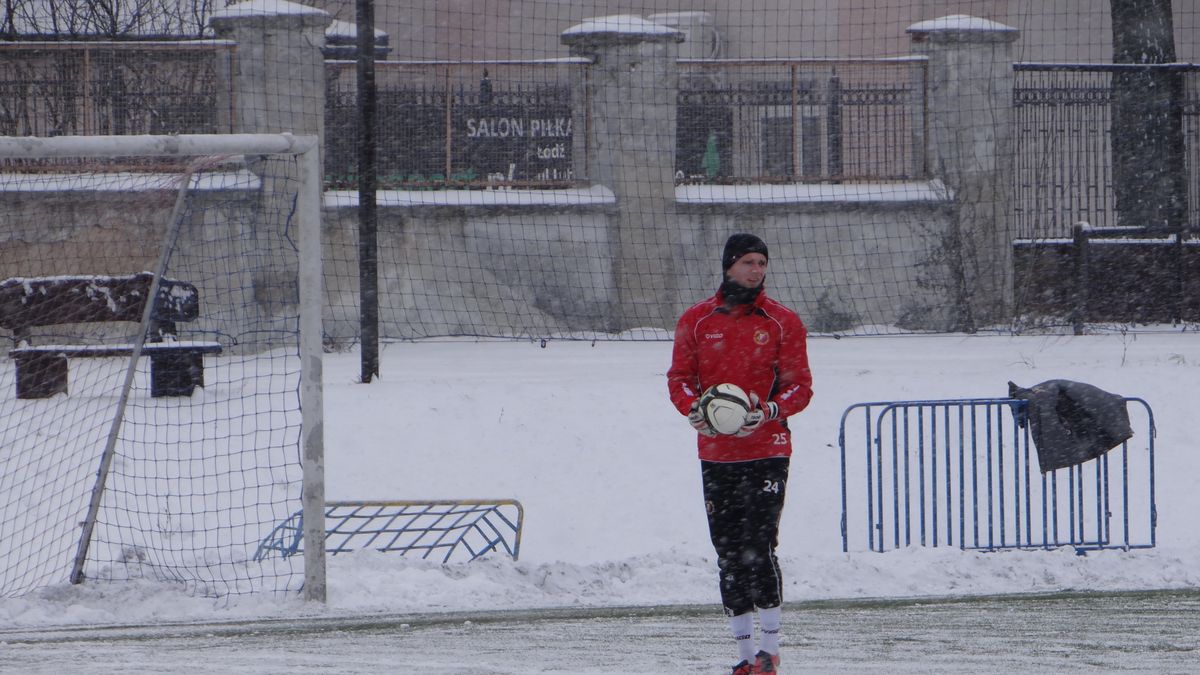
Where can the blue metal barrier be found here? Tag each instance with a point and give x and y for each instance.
(965, 473)
(451, 530)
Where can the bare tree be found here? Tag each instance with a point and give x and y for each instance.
(111, 19)
(1149, 175)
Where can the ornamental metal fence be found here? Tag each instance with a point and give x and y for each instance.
(1063, 171)
(806, 120)
(525, 123)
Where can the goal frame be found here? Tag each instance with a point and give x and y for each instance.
(308, 216)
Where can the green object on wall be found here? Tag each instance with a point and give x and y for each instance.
(712, 159)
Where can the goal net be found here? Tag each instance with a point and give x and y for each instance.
(160, 397)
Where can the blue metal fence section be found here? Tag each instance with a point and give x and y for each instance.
(965, 473)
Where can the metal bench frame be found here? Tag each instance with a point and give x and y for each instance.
(450, 530)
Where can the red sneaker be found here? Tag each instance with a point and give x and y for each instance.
(743, 668)
(765, 663)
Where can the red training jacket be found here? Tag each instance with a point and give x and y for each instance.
(762, 348)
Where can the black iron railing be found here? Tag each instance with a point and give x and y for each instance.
(1063, 170)
(801, 120)
(523, 123)
(117, 88)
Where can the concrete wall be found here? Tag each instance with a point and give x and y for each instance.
(492, 271)
(537, 271)
(842, 266)
(87, 232)
(528, 271)
(1123, 280)
(625, 255)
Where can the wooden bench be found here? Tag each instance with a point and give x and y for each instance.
(176, 367)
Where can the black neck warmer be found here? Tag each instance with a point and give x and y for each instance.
(737, 294)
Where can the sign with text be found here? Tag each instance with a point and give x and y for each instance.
(505, 143)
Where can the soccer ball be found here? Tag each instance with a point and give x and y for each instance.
(725, 407)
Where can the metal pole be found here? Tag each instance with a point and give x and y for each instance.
(834, 126)
(114, 428)
(368, 265)
(1079, 311)
(312, 436)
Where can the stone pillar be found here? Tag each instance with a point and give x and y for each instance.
(279, 79)
(631, 93)
(970, 148)
(278, 87)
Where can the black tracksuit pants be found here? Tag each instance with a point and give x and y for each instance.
(744, 501)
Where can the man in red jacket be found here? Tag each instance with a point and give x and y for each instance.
(739, 335)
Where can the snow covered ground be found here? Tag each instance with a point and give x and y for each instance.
(583, 435)
(1080, 632)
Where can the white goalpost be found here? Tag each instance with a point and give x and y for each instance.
(160, 398)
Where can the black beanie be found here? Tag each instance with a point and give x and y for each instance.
(739, 245)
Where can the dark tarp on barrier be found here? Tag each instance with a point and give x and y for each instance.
(1072, 422)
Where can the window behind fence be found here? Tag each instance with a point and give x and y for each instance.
(805, 120)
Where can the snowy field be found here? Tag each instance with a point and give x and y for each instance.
(583, 435)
